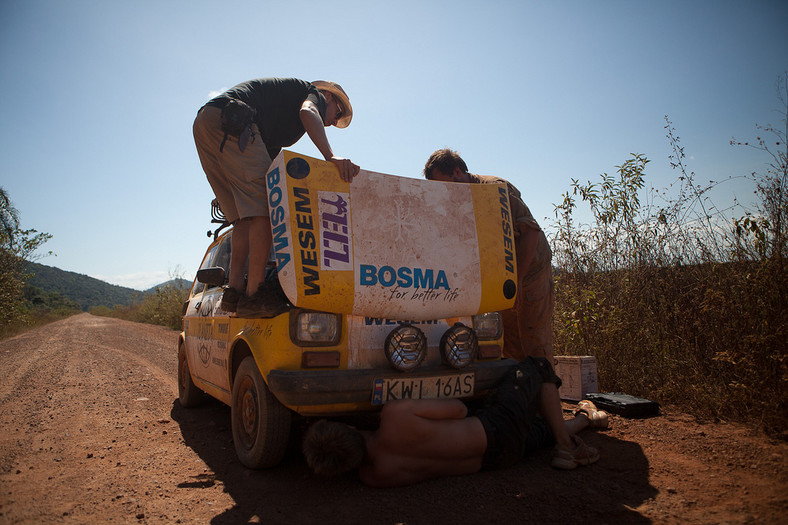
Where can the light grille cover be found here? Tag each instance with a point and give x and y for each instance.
(459, 346)
(406, 347)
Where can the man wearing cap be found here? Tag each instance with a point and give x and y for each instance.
(237, 134)
(528, 326)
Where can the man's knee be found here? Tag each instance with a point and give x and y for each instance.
(538, 369)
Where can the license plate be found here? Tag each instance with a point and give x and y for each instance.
(437, 387)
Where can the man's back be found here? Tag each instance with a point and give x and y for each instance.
(419, 440)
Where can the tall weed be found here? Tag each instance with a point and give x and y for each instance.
(679, 300)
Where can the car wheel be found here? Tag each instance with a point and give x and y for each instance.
(261, 424)
(188, 393)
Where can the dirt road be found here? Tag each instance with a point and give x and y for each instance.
(92, 432)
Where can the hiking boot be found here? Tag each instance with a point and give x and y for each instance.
(267, 301)
(596, 418)
(582, 454)
(230, 298)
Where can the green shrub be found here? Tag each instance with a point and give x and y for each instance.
(163, 307)
(17, 247)
(100, 310)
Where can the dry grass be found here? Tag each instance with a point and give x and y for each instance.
(710, 338)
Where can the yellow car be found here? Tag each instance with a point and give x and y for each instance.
(310, 363)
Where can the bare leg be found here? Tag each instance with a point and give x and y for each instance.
(550, 408)
(576, 424)
(259, 236)
(239, 252)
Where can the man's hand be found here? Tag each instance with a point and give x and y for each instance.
(347, 170)
(315, 128)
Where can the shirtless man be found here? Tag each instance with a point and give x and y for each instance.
(424, 439)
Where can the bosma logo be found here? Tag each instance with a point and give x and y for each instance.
(278, 216)
(403, 277)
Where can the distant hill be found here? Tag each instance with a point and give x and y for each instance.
(87, 291)
(178, 283)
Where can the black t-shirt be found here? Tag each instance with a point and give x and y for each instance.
(277, 101)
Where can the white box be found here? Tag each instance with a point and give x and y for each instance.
(578, 375)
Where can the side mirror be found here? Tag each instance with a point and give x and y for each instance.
(211, 276)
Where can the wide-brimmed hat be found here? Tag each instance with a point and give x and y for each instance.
(336, 90)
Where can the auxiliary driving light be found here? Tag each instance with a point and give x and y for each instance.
(406, 347)
(459, 346)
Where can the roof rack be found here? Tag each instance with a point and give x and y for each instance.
(217, 217)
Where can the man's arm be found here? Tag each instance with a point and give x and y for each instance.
(526, 248)
(527, 239)
(313, 124)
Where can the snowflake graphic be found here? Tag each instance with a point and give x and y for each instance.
(403, 220)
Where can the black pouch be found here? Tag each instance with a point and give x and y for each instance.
(237, 119)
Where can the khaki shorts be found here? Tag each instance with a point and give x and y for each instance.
(528, 328)
(237, 178)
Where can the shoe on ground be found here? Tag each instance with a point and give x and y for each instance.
(230, 298)
(596, 418)
(581, 454)
(265, 302)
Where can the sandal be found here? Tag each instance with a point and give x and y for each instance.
(582, 454)
(596, 418)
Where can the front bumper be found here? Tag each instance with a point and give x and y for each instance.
(337, 387)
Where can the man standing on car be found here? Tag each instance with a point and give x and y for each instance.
(528, 326)
(237, 135)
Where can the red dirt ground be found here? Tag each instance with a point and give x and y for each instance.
(92, 432)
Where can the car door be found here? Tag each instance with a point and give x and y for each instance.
(207, 335)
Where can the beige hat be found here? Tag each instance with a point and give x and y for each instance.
(336, 90)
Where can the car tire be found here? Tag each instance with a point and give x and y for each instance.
(188, 394)
(261, 424)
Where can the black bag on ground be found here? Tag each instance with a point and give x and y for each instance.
(237, 119)
(624, 404)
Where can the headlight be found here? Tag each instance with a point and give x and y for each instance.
(459, 346)
(406, 347)
(314, 329)
(488, 326)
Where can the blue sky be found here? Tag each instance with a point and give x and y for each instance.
(100, 95)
